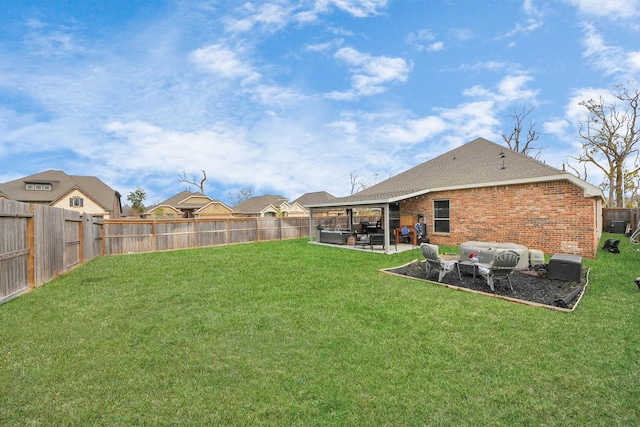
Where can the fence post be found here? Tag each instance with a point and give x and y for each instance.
(81, 237)
(153, 235)
(31, 264)
(195, 233)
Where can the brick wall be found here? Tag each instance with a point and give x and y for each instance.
(554, 217)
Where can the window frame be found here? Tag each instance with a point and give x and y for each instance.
(439, 221)
(76, 202)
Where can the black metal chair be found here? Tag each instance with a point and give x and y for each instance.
(377, 239)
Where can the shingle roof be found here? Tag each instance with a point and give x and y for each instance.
(475, 164)
(254, 205)
(61, 184)
(180, 200)
(315, 197)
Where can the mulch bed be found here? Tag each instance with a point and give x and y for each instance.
(528, 286)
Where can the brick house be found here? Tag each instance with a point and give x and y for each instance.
(483, 191)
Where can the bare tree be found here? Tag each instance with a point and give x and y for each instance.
(583, 175)
(192, 181)
(240, 196)
(519, 142)
(609, 136)
(357, 183)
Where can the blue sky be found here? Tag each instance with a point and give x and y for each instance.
(293, 96)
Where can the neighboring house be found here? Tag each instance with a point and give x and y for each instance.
(189, 205)
(485, 192)
(319, 197)
(269, 206)
(86, 194)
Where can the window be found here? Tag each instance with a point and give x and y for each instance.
(38, 187)
(76, 202)
(441, 222)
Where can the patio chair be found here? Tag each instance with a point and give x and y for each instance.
(434, 262)
(503, 265)
(378, 239)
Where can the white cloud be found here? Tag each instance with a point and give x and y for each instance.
(511, 89)
(323, 47)
(424, 40)
(612, 60)
(489, 65)
(529, 26)
(462, 34)
(269, 16)
(272, 16)
(633, 62)
(413, 131)
(534, 20)
(555, 127)
(46, 40)
(223, 62)
(357, 8)
(435, 47)
(609, 8)
(370, 73)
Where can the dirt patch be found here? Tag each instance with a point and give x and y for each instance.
(528, 286)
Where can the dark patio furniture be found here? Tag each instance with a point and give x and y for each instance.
(335, 237)
(377, 239)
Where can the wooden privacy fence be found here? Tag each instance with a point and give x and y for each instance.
(148, 235)
(620, 220)
(39, 242)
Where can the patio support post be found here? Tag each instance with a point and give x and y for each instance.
(311, 227)
(387, 241)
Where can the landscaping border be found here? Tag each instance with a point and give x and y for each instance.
(473, 291)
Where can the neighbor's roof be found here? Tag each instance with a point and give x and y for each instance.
(478, 163)
(258, 204)
(313, 198)
(61, 184)
(186, 200)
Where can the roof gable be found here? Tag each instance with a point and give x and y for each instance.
(61, 184)
(315, 197)
(215, 205)
(259, 204)
(181, 197)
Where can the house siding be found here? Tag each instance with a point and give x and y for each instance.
(554, 217)
(88, 204)
(215, 210)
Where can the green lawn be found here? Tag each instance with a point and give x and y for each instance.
(288, 333)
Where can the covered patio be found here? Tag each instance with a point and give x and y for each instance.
(386, 231)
